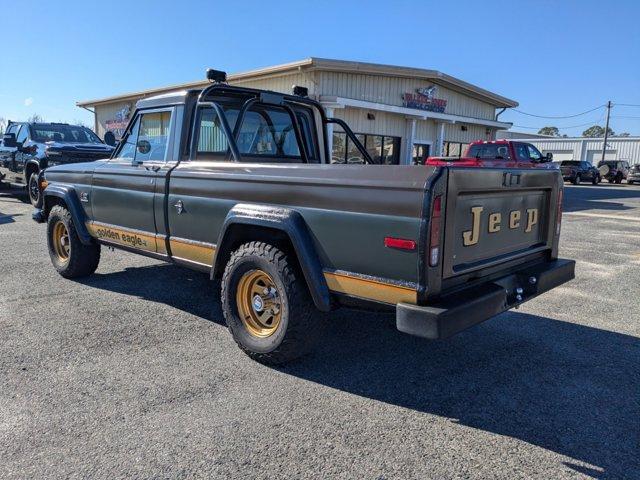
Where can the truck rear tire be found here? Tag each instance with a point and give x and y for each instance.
(70, 257)
(267, 305)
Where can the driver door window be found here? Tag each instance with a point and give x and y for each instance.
(534, 154)
(147, 139)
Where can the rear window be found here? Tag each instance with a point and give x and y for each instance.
(570, 163)
(490, 151)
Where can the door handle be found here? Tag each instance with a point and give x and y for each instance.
(155, 168)
(179, 206)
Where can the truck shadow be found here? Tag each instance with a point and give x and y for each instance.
(565, 387)
(156, 283)
(598, 197)
(568, 388)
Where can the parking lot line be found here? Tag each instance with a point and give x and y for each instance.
(602, 215)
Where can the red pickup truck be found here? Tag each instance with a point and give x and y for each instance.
(495, 153)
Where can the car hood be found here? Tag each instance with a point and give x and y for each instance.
(79, 147)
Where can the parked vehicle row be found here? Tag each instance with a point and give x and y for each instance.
(500, 153)
(238, 183)
(28, 148)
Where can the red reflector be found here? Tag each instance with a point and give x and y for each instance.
(400, 243)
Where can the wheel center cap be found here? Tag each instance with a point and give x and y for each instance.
(258, 303)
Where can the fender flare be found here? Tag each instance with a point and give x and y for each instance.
(291, 223)
(68, 194)
(34, 162)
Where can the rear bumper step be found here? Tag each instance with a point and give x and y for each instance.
(461, 310)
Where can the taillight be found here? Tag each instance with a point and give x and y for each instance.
(559, 209)
(434, 231)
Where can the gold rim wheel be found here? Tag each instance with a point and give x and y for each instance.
(259, 303)
(61, 244)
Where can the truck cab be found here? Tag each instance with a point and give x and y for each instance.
(239, 183)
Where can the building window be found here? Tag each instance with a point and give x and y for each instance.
(381, 148)
(454, 149)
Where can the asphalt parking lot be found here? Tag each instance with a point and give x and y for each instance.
(128, 373)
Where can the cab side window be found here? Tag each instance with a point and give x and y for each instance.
(522, 152)
(23, 134)
(153, 136)
(212, 141)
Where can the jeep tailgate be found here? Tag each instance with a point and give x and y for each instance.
(494, 216)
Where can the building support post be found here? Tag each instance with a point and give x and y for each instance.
(329, 112)
(410, 135)
(439, 139)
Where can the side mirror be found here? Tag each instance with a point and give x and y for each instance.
(144, 146)
(9, 140)
(110, 139)
(549, 157)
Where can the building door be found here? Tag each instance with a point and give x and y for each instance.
(419, 153)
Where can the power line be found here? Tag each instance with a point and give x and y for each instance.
(626, 105)
(560, 116)
(593, 122)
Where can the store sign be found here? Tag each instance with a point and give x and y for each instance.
(424, 99)
(119, 123)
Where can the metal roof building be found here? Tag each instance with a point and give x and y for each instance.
(406, 113)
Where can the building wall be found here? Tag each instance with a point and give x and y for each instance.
(389, 90)
(110, 113)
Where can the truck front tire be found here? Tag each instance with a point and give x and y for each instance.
(35, 195)
(267, 305)
(70, 257)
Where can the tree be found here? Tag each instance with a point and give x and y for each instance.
(624, 134)
(596, 131)
(35, 118)
(552, 131)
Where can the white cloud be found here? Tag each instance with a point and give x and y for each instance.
(28, 102)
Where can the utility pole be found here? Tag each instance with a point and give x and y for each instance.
(606, 130)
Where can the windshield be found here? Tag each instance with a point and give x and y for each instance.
(570, 163)
(63, 133)
(608, 163)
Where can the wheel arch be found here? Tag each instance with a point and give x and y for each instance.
(32, 166)
(66, 196)
(281, 227)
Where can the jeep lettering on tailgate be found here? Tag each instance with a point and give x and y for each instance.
(472, 236)
(239, 183)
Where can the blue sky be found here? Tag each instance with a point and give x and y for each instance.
(555, 58)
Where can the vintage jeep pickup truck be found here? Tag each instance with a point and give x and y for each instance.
(237, 182)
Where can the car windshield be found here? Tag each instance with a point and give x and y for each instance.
(570, 163)
(63, 133)
(608, 163)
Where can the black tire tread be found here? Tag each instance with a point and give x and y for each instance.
(84, 259)
(301, 324)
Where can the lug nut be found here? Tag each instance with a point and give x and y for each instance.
(533, 280)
